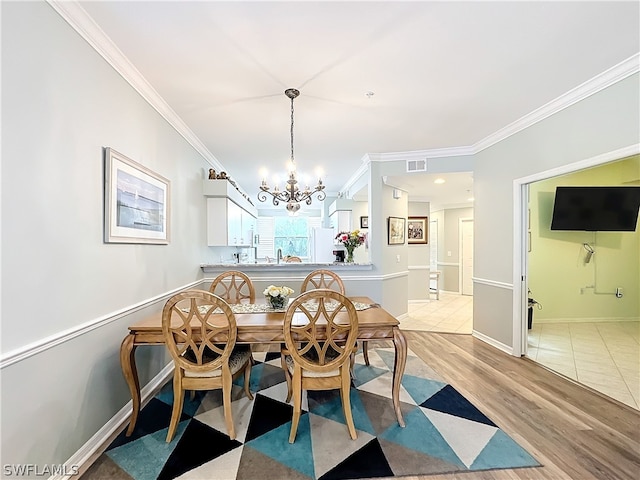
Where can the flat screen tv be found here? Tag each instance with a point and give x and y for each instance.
(609, 209)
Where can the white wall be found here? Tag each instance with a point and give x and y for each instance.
(419, 258)
(606, 121)
(61, 104)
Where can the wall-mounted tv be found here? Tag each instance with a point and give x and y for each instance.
(611, 209)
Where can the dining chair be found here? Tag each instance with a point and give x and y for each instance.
(293, 259)
(322, 278)
(200, 333)
(319, 363)
(234, 287)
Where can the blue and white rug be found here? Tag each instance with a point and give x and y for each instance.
(444, 432)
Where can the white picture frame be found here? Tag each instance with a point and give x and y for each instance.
(136, 202)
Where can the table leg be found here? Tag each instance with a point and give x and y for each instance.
(400, 343)
(128, 364)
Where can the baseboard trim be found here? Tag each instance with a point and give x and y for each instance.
(92, 446)
(584, 319)
(39, 346)
(492, 342)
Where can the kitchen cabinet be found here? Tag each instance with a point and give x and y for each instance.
(341, 221)
(228, 224)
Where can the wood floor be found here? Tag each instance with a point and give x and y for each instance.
(574, 432)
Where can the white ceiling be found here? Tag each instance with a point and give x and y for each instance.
(444, 74)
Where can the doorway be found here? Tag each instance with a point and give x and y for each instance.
(583, 331)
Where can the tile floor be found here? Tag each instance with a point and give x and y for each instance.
(453, 313)
(603, 356)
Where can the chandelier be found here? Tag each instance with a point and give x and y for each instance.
(291, 194)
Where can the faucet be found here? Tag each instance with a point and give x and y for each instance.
(279, 255)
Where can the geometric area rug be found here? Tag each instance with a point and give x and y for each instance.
(444, 432)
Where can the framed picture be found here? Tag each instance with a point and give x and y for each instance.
(417, 230)
(364, 222)
(396, 228)
(136, 202)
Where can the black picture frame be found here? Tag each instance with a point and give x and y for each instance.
(364, 222)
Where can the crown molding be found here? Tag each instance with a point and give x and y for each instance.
(607, 78)
(423, 154)
(81, 22)
(362, 170)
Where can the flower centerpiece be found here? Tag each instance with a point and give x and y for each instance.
(351, 241)
(277, 296)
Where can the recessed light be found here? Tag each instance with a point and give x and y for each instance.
(439, 181)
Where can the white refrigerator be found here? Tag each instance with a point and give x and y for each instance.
(322, 245)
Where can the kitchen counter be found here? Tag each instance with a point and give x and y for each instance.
(280, 267)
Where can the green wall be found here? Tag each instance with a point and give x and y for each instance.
(560, 279)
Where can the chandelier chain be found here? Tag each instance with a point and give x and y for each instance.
(292, 158)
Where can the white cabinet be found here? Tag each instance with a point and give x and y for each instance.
(341, 221)
(228, 224)
(231, 221)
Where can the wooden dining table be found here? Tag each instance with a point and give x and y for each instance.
(374, 323)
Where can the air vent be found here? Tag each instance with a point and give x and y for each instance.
(416, 165)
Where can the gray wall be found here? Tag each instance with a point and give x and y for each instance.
(61, 104)
(604, 122)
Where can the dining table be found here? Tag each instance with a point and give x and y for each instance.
(262, 325)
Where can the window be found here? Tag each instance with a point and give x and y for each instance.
(291, 234)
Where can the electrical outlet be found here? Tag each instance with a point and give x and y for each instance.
(397, 258)
(448, 253)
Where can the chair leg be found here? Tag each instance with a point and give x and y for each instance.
(226, 403)
(345, 389)
(178, 399)
(247, 378)
(287, 377)
(297, 405)
(365, 352)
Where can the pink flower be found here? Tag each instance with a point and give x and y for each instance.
(345, 238)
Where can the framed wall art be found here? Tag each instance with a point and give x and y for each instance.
(396, 229)
(417, 230)
(136, 202)
(364, 222)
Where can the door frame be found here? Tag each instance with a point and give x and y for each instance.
(461, 220)
(520, 240)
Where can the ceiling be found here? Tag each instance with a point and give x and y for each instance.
(443, 74)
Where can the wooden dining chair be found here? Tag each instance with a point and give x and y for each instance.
(200, 333)
(319, 363)
(292, 259)
(234, 287)
(322, 278)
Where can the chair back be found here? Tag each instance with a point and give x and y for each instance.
(323, 279)
(292, 259)
(234, 286)
(199, 330)
(320, 330)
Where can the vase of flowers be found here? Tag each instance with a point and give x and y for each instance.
(277, 296)
(351, 241)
